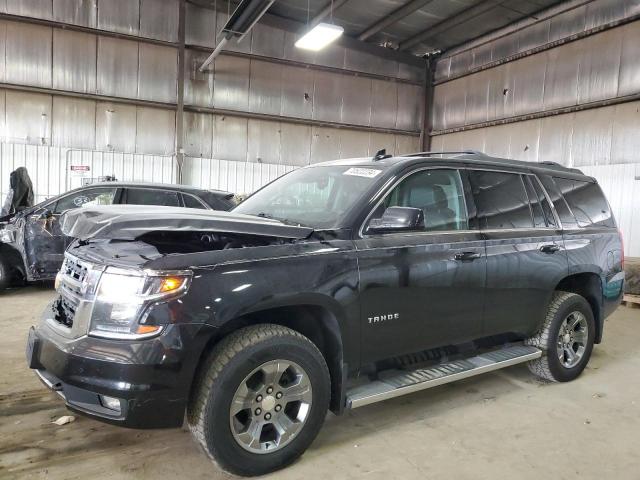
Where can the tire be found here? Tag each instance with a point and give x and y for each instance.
(5, 273)
(244, 362)
(557, 363)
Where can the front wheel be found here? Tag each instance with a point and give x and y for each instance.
(260, 400)
(566, 338)
(5, 273)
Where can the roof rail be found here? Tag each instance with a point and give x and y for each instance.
(559, 166)
(461, 152)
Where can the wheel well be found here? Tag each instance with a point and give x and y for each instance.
(314, 322)
(589, 286)
(12, 259)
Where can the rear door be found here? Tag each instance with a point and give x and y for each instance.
(526, 257)
(421, 289)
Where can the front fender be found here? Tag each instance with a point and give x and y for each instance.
(329, 280)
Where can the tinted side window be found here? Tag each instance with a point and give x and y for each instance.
(149, 196)
(438, 193)
(92, 196)
(566, 217)
(219, 202)
(586, 201)
(536, 205)
(191, 202)
(544, 202)
(501, 200)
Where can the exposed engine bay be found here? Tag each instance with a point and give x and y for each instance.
(167, 242)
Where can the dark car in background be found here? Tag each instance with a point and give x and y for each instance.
(32, 244)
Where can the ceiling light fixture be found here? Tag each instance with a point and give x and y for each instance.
(319, 37)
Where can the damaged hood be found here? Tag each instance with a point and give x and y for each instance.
(129, 222)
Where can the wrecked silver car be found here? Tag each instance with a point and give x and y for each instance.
(32, 243)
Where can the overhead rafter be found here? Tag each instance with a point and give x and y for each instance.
(241, 21)
(449, 23)
(393, 17)
(297, 26)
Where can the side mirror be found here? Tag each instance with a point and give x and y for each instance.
(398, 219)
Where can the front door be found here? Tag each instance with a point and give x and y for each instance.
(422, 289)
(43, 239)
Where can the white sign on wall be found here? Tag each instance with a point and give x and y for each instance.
(79, 170)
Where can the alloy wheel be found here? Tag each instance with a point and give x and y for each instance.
(572, 339)
(270, 406)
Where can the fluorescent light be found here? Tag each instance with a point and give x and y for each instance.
(319, 36)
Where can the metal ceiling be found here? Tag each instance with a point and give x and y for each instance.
(414, 26)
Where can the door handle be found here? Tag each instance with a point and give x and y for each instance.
(553, 248)
(463, 256)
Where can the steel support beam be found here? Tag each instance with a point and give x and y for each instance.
(216, 51)
(536, 115)
(393, 17)
(449, 23)
(180, 93)
(300, 121)
(427, 119)
(239, 24)
(80, 28)
(310, 66)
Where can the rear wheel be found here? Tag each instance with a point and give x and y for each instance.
(260, 400)
(566, 338)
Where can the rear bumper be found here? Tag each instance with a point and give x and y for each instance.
(151, 378)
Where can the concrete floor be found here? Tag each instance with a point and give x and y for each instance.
(500, 425)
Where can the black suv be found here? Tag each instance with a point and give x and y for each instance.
(32, 244)
(337, 285)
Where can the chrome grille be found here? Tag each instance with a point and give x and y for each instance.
(74, 269)
(71, 277)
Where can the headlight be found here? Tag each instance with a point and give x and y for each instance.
(7, 236)
(123, 299)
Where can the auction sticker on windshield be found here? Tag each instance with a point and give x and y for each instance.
(362, 172)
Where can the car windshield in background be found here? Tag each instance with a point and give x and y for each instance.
(317, 197)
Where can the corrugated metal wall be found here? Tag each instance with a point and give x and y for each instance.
(598, 67)
(577, 103)
(263, 102)
(50, 173)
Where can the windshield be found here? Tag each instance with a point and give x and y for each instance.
(317, 197)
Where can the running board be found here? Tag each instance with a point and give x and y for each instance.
(401, 383)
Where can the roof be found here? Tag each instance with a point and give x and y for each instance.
(164, 186)
(464, 157)
(415, 26)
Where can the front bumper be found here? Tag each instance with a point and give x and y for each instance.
(152, 378)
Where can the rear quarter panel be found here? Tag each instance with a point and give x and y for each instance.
(598, 250)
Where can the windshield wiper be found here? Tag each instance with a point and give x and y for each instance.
(282, 220)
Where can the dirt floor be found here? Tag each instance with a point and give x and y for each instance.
(500, 425)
